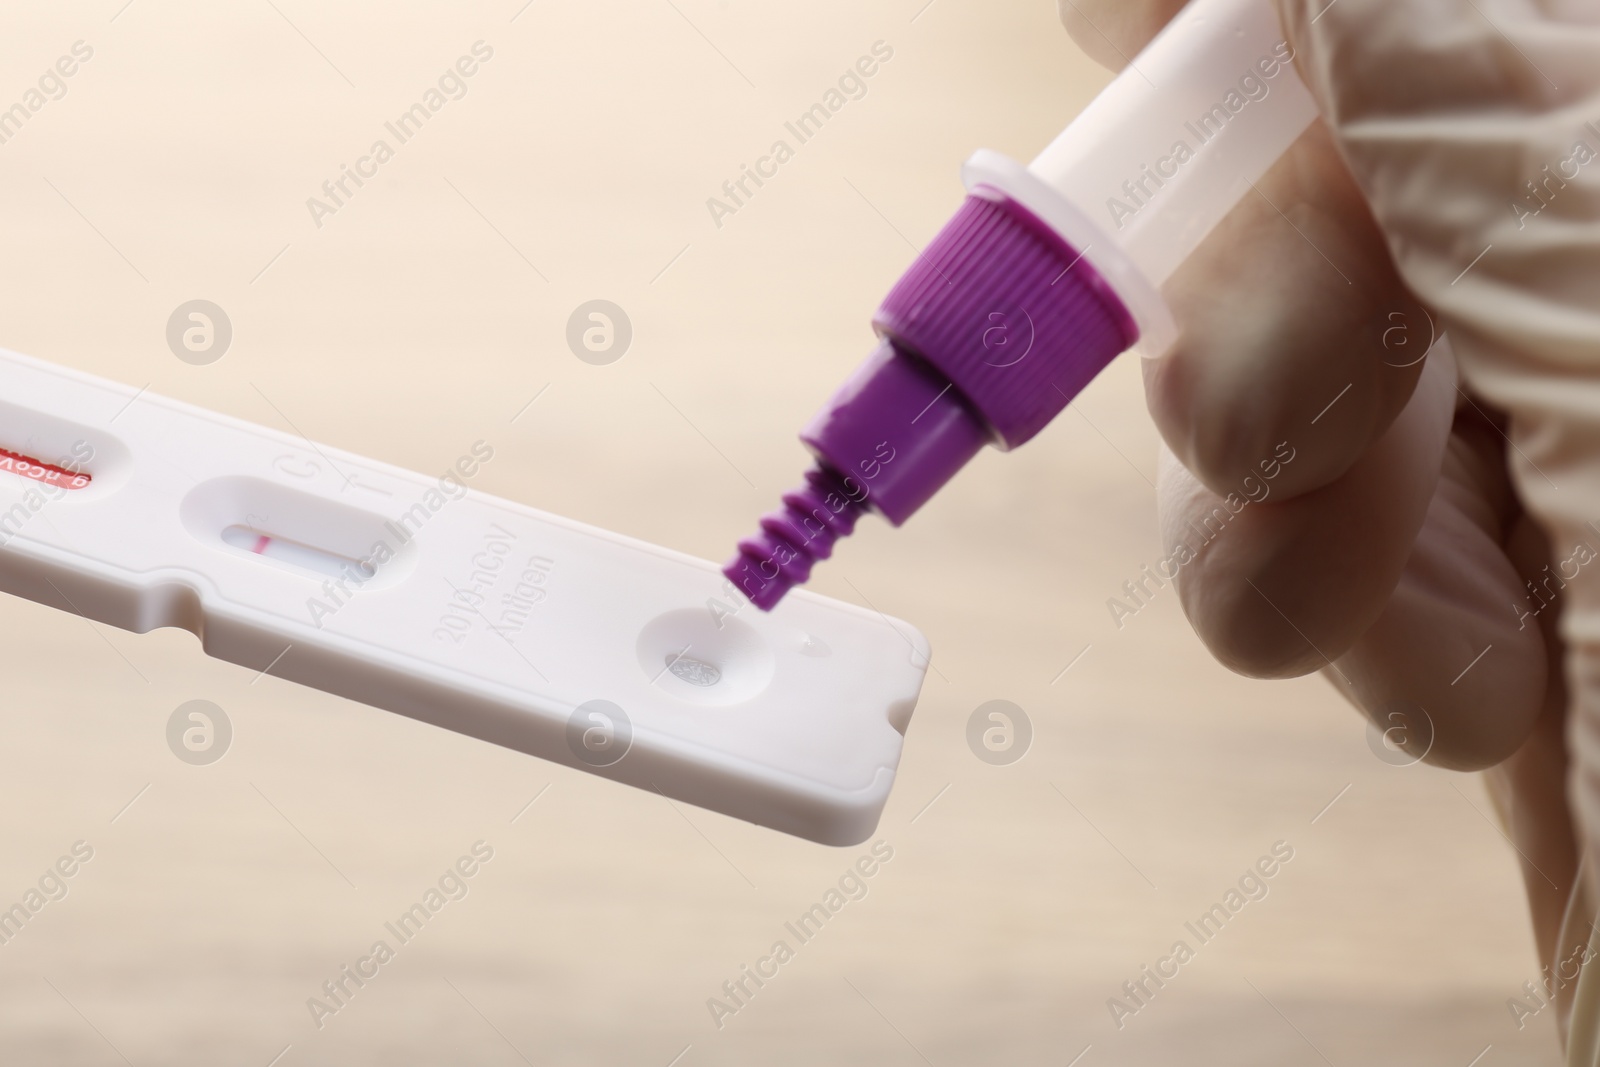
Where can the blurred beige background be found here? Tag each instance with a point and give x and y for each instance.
(422, 316)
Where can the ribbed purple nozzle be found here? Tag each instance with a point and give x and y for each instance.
(778, 558)
(900, 432)
(988, 336)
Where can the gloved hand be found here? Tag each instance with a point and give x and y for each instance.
(1394, 553)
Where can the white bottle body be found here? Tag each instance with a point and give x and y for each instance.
(1171, 145)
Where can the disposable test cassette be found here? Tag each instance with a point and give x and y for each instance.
(419, 595)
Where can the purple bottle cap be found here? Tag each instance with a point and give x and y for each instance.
(989, 335)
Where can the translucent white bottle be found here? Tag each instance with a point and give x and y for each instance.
(1145, 172)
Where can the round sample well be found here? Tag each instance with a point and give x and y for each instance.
(686, 654)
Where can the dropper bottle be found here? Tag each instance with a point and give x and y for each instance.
(1043, 276)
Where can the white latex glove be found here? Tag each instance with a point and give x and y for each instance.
(1394, 551)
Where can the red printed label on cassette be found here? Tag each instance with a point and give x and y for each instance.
(28, 467)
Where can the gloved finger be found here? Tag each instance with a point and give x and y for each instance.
(1280, 587)
(1450, 658)
(1295, 327)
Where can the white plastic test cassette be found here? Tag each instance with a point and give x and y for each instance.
(421, 596)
